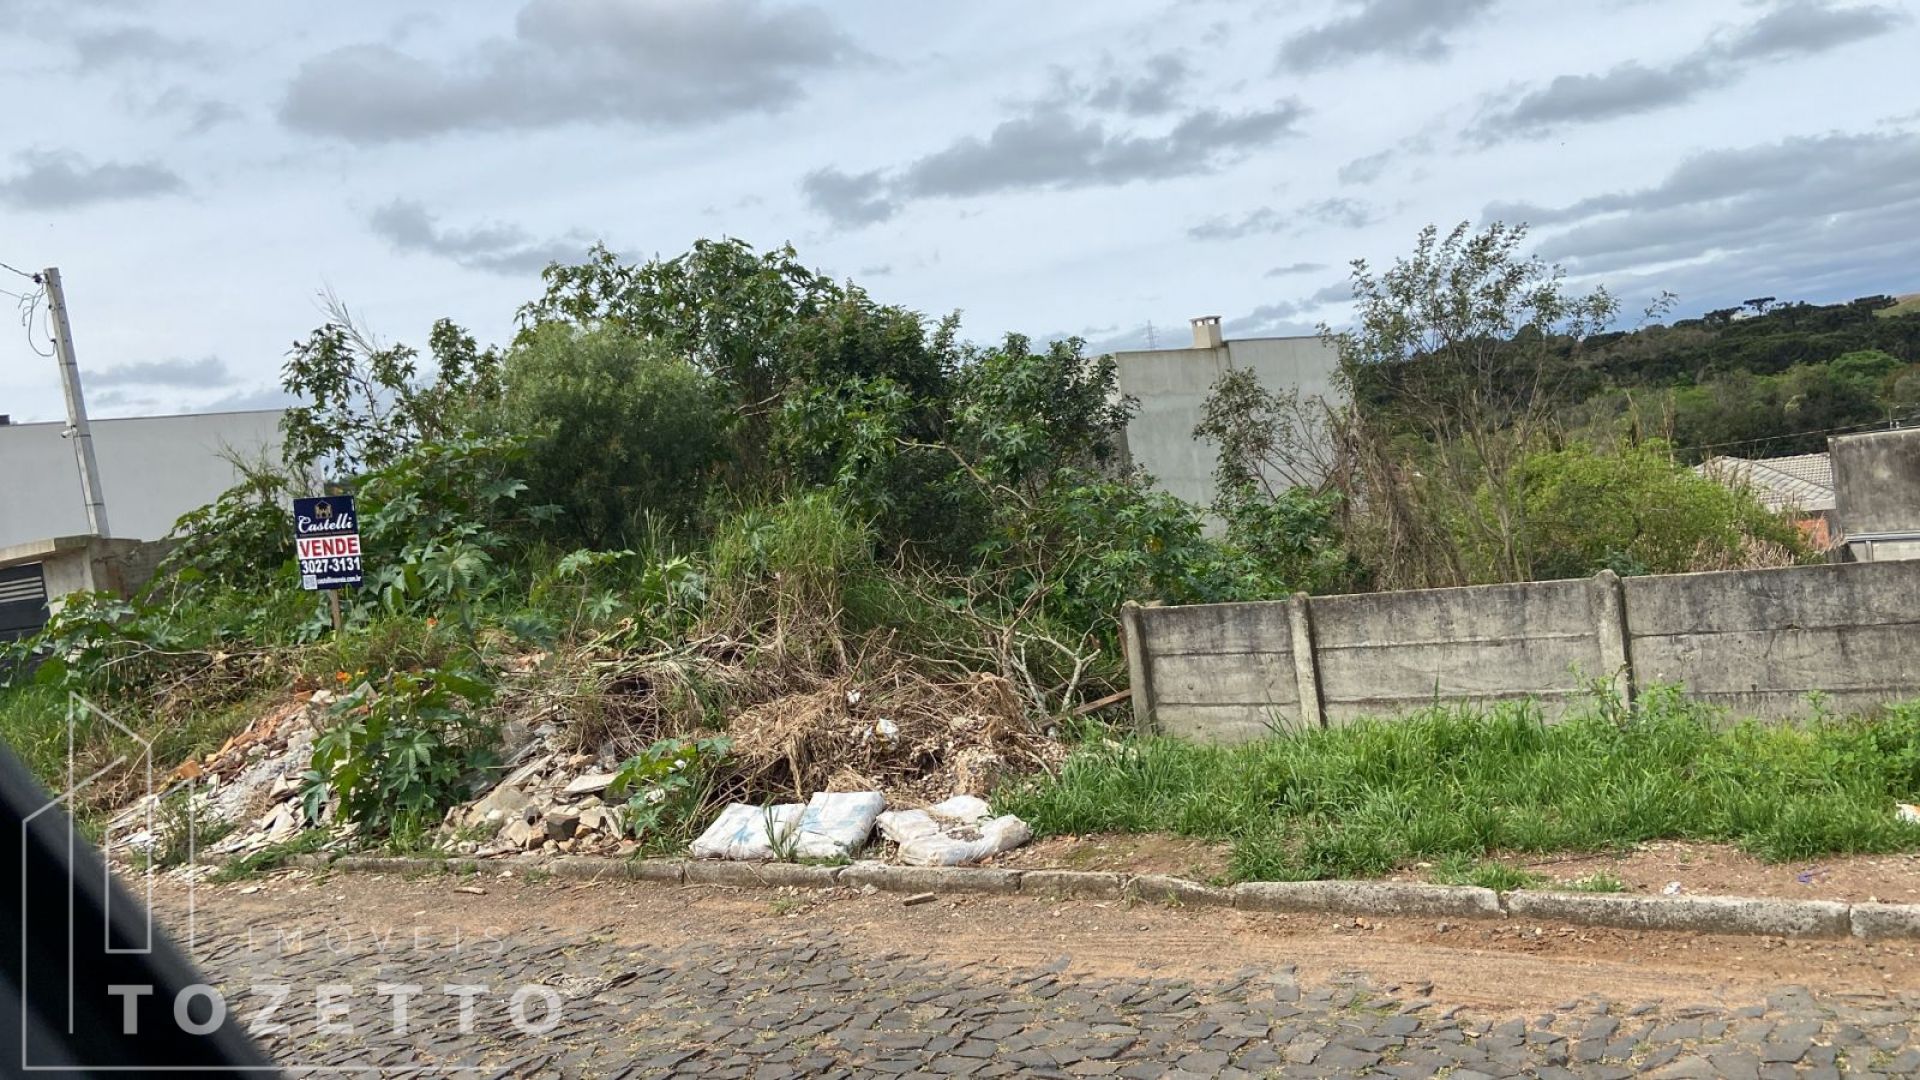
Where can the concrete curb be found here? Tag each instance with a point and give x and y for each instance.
(1368, 898)
(1700, 914)
(1706, 914)
(933, 879)
(1876, 922)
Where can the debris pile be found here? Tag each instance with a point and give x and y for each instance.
(550, 799)
(251, 783)
(812, 760)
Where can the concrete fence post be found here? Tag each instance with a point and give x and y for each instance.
(1610, 624)
(1139, 672)
(1306, 667)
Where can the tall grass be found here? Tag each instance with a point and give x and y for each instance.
(1461, 782)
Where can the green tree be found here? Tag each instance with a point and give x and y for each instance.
(619, 426)
(363, 402)
(1465, 345)
(1636, 510)
(1021, 415)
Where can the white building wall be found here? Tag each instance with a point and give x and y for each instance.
(1172, 385)
(152, 470)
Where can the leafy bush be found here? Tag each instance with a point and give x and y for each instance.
(1635, 509)
(402, 749)
(362, 402)
(437, 518)
(1020, 415)
(667, 787)
(240, 540)
(623, 430)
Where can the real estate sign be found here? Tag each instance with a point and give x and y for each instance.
(326, 537)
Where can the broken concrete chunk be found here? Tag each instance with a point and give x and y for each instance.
(562, 824)
(503, 802)
(522, 835)
(589, 783)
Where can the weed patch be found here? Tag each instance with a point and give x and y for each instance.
(1457, 783)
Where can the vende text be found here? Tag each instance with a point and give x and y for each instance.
(327, 547)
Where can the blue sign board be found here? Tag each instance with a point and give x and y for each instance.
(326, 538)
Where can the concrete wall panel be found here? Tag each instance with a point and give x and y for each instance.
(1756, 642)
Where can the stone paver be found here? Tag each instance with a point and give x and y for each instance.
(813, 1007)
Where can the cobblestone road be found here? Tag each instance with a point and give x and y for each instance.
(714, 1001)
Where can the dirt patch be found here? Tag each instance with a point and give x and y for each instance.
(1700, 869)
(1723, 870)
(1490, 967)
(1143, 853)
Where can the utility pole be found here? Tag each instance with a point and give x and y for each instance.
(77, 428)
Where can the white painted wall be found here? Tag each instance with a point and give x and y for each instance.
(152, 470)
(1172, 385)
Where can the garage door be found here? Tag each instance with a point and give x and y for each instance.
(23, 601)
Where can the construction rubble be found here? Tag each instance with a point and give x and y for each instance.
(856, 756)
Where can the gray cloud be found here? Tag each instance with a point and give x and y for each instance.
(60, 179)
(1254, 222)
(655, 62)
(1054, 150)
(849, 199)
(205, 373)
(1339, 292)
(200, 114)
(1416, 29)
(497, 248)
(1341, 212)
(133, 45)
(1271, 320)
(1807, 27)
(1050, 148)
(1153, 90)
(1336, 212)
(1295, 268)
(248, 400)
(1794, 29)
(1803, 215)
(1365, 170)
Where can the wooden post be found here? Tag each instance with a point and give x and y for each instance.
(333, 601)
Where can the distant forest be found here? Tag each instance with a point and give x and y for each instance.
(1762, 380)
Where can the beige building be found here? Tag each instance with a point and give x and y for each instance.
(1172, 387)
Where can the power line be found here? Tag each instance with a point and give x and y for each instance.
(29, 304)
(1877, 425)
(35, 278)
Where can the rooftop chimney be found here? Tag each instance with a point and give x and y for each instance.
(1206, 332)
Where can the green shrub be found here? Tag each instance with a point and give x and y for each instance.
(1635, 508)
(402, 749)
(667, 788)
(621, 429)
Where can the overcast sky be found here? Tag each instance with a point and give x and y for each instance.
(200, 172)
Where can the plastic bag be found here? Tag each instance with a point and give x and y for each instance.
(836, 823)
(927, 840)
(829, 826)
(740, 832)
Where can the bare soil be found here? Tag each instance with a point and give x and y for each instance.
(1700, 869)
(1490, 966)
(1146, 853)
(1723, 870)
